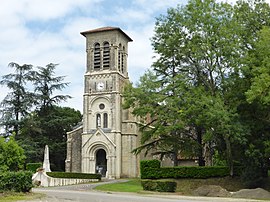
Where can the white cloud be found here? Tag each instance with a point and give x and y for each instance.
(140, 51)
(39, 32)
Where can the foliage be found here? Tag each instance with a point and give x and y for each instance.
(49, 129)
(160, 186)
(17, 102)
(148, 172)
(74, 175)
(33, 166)
(16, 181)
(12, 156)
(259, 61)
(183, 95)
(45, 83)
(208, 89)
(34, 117)
(146, 164)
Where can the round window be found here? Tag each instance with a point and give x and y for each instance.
(101, 106)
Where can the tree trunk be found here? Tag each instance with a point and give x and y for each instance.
(201, 160)
(175, 159)
(229, 155)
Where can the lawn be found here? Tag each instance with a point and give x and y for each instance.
(184, 186)
(133, 185)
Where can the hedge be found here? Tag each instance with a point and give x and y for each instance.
(33, 166)
(160, 186)
(74, 175)
(149, 172)
(16, 181)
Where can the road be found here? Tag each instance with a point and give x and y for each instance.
(85, 193)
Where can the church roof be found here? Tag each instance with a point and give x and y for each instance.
(105, 29)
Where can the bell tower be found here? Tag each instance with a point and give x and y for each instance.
(108, 134)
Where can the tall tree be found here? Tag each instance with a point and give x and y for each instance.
(19, 100)
(200, 78)
(197, 47)
(45, 84)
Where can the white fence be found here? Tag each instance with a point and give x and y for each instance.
(42, 179)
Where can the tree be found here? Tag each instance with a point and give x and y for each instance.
(45, 84)
(11, 155)
(50, 129)
(199, 81)
(259, 67)
(35, 116)
(197, 47)
(18, 102)
(162, 132)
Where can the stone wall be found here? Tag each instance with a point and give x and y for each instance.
(74, 145)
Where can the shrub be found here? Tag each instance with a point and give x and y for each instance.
(33, 166)
(74, 175)
(16, 181)
(155, 172)
(160, 186)
(252, 178)
(12, 156)
(149, 168)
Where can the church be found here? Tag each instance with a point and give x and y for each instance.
(108, 134)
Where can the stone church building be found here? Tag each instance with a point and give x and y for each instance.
(108, 134)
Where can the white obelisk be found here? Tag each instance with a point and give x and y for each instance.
(46, 162)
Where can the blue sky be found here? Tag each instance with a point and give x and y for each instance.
(40, 32)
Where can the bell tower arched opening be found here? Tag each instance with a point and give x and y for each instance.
(101, 162)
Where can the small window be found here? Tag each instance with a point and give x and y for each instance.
(98, 121)
(105, 120)
(106, 55)
(97, 56)
(101, 106)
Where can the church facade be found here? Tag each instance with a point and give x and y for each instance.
(108, 134)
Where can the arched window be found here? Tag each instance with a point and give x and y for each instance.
(98, 120)
(105, 120)
(97, 56)
(106, 55)
(119, 56)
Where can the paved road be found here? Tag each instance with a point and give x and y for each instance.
(85, 193)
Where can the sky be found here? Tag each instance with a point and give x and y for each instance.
(40, 32)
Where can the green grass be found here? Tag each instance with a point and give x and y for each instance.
(133, 185)
(14, 196)
(184, 186)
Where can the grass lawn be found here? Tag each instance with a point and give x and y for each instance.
(184, 186)
(14, 196)
(133, 185)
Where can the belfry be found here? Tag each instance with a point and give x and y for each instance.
(108, 134)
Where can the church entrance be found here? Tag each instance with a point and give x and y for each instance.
(101, 162)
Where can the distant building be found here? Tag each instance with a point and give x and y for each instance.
(108, 134)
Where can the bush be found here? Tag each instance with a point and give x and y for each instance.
(33, 166)
(74, 175)
(16, 181)
(155, 172)
(160, 186)
(252, 178)
(12, 156)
